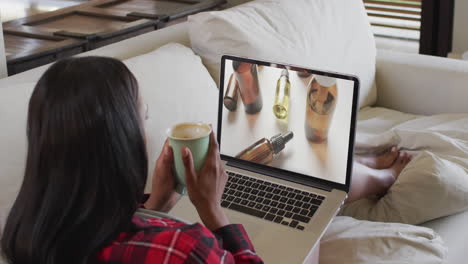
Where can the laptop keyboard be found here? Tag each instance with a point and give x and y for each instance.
(270, 201)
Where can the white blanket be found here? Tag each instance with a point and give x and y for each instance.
(434, 183)
(445, 134)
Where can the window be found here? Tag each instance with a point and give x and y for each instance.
(395, 19)
(426, 24)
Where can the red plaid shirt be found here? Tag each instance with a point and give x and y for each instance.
(161, 240)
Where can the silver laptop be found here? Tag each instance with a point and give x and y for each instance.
(286, 135)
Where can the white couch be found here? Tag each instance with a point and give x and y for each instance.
(408, 83)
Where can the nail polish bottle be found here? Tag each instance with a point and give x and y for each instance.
(264, 150)
(249, 88)
(321, 102)
(232, 94)
(281, 105)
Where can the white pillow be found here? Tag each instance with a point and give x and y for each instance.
(431, 186)
(348, 240)
(330, 35)
(177, 88)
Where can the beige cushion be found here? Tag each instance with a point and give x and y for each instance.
(348, 240)
(13, 143)
(453, 231)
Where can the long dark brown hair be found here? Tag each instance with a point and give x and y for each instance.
(86, 166)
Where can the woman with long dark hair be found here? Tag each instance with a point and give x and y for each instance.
(85, 176)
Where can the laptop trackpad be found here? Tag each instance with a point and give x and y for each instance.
(253, 225)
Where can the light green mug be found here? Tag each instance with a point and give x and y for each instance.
(194, 136)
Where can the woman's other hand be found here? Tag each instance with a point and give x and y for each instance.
(163, 196)
(206, 187)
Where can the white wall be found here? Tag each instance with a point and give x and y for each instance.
(460, 28)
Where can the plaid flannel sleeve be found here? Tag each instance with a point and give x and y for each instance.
(232, 244)
(234, 239)
(229, 245)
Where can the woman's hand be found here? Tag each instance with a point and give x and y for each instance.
(163, 196)
(206, 187)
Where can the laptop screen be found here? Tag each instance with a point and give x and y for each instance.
(287, 117)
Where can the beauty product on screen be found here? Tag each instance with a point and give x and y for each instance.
(321, 102)
(281, 105)
(232, 94)
(303, 74)
(265, 149)
(247, 77)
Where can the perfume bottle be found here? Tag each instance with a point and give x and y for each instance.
(281, 105)
(321, 102)
(303, 74)
(265, 149)
(247, 77)
(232, 94)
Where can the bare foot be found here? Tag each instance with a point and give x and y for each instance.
(399, 164)
(373, 182)
(381, 161)
(387, 177)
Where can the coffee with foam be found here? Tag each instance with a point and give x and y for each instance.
(189, 131)
(194, 136)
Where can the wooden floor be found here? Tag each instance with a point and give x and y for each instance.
(13, 9)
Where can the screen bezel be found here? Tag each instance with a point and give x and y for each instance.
(281, 173)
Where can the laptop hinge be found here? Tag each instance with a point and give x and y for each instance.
(279, 175)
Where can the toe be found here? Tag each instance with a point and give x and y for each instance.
(401, 158)
(390, 157)
(407, 157)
